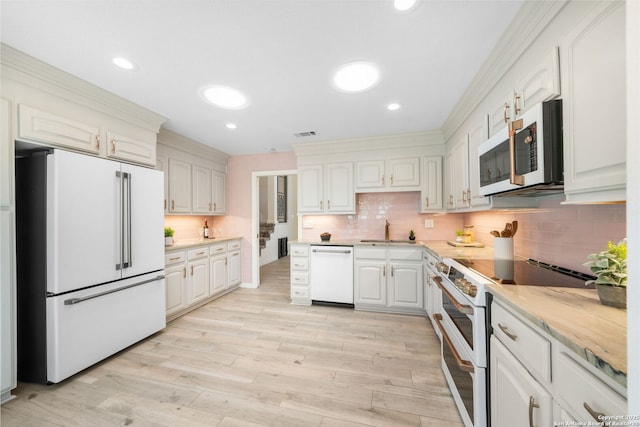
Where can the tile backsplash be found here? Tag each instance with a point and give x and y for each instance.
(555, 233)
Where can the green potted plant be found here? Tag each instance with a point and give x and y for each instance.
(412, 235)
(168, 236)
(610, 268)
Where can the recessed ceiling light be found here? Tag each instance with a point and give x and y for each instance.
(404, 5)
(124, 63)
(356, 76)
(393, 106)
(231, 126)
(225, 97)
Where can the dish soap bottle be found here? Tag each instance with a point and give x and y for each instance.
(206, 229)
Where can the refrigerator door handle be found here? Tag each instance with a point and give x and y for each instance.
(127, 261)
(120, 184)
(73, 301)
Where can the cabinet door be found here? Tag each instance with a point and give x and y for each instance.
(515, 393)
(162, 164)
(431, 183)
(541, 84)
(41, 126)
(404, 173)
(235, 271)
(460, 170)
(7, 305)
(218, 274)
(198, 280)
(310, 189)
(370, 174)
(501, 113)
(406, 285)
(6, 156)
(340, 195)
(219, 188)
(370, 283)
(175, 288)
(448, 181)
(594, 92)
(201, 190)
(179, 186)
(477, 136)
(137, 150)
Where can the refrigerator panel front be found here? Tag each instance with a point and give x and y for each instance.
(83, 221)
(87, 326)
(144, 212)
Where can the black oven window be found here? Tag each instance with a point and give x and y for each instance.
(461, 320)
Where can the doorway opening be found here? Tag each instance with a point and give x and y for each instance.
(274, 217)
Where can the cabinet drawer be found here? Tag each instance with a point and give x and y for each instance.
(406, 254)
(217, 249)
(300, 292)
(299, 278)
(174, 258)
(299, 250)
(533, 350)
(200, 252)
(370, 253)
(580, 389)
(299, 263)
(233, 245)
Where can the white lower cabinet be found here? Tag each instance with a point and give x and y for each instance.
(388, 279)
(299, 266)
(201, 274)
(537, 381)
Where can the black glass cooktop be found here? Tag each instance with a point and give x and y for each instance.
(527, 272)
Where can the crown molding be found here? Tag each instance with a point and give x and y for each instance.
(531, 20)
(25, 69)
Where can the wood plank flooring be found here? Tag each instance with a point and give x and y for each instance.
(251, 358)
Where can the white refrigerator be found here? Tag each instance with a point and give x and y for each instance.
(90, 260)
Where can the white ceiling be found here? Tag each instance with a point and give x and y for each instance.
(281, 53)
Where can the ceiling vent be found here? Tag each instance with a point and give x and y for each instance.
(308, 133)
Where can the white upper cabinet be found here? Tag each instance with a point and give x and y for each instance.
(179, 186)
(457, 176)
(326, 188)
(388, 175)
(201, 190)
(41, 126)
(541, 83)
(138, 150)
(431, 195)
(219, 189)
(477, 135)
(594, 105)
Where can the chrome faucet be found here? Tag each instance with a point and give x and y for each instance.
(386, 230)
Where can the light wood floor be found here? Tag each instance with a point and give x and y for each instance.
(252, 359)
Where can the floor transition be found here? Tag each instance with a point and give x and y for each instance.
(252, 359)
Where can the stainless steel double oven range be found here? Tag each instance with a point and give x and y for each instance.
(462, 323)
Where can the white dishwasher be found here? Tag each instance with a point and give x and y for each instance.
(331, 274)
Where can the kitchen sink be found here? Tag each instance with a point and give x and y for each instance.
(387, 241)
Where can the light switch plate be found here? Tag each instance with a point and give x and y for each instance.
(429, 223)
(307, 223)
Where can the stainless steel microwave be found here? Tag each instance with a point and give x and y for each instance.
(525, 158)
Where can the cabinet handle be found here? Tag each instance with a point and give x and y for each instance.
(506, 331)
(464, 196)
(328, 204)
(391, 179)
(184, 272)
(200, 253)
(384, 271)
(209, 205)
(516, 108)
(97, 142)
(513, 178)
(226, 261)
(451, 199)
(505, 112)
(192, 270)
(113, 146)
(392, 271)
(469, 195)
(426, 202)
(173, 204)
(532, 404)
(215, 207)
(598, 416)
(165, 204)
(382, 179)
(320, 204)
(174, 258)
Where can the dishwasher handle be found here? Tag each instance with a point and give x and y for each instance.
(328, 251)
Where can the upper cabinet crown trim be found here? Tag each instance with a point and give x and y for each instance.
(530, 21)
(27, 70)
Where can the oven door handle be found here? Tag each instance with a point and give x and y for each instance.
(464, 365)
(513, 178)
(462, 308)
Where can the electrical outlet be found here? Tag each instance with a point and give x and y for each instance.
(429, 223)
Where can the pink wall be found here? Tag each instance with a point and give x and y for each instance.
(237, 222)
(372, 209)
(558, 234)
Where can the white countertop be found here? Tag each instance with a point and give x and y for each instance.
(186, 244)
